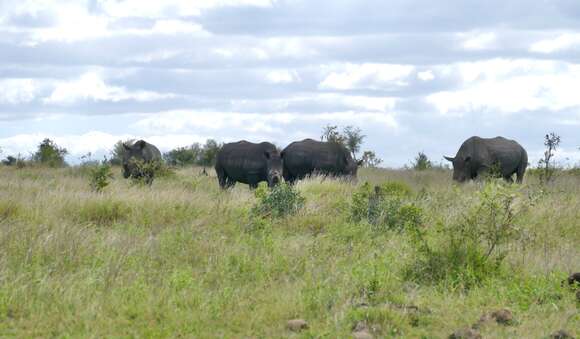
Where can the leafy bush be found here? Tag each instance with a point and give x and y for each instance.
(146, 171)
(280, 201)
(50, 154)
(385, 206)
(471, 249)
(100, 176)
(421, 162)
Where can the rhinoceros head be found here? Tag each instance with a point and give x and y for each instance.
(133, 153)
(461, 167)
(273, 167)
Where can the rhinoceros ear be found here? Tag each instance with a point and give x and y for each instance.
(449, 158)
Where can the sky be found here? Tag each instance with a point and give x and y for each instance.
(414, 75)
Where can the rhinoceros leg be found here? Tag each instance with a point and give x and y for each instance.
(520, 173)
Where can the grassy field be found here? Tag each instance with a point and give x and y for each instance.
(184, 259)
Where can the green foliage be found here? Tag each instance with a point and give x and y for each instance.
(119, 151)
(351, 138)
(386, 207)
(209, 153)
(49, 154)
(100, 176)
(184, 156)
(546, 165)
(471, 249)
(9, 161)
(145, 171)
(370, 159)
(195, 154)
(280, 201)
(421, 162)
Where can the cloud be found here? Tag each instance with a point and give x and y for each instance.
(282, 76)
(90, 86)
(509, 86)
(17, 91)
(274, 123)
(366, 76)
(562, 42)
(478, 41)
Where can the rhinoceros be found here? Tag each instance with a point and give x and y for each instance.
(139, 152)
(307, 157)
(248, 163)
(497, 156)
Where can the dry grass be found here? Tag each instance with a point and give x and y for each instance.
(178, 259)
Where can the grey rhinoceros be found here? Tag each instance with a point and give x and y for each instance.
(499, 156)
(137, 154)
(248, 163)
(307, 157)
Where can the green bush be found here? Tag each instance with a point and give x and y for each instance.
(385, 206)
(280, 201)
(471, 249)
(100, 176)
(146, 171)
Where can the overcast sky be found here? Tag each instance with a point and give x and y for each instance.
(413, 75)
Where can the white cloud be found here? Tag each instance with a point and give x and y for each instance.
(478, 40)
(17, 91)
(166, 8)
(175, 26)
(180, 121)
(426, 75)
(508, 86)
(366, 76)
(562, 42)
(282, 76)
(90, 86)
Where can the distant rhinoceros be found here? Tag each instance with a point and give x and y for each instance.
(140, 152)
(307, 157)
(248, 163)
(499, 156)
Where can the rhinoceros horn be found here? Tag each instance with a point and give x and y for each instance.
(449, 158)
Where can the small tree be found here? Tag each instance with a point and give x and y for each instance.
(546, 164)
(370, 159)
(209, 152)
(10, 161)
(421, 162)
(50, 154)
(118, 151)
(183, 156)
(331, 134)
(351, 138)
(100, 176)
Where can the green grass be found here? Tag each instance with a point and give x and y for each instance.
(183, 258)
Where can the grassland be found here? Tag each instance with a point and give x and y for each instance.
(184, 259)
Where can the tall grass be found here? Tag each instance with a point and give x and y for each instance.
(179, 259)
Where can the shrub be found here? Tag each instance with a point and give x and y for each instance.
(100, 176)
(421, 162)
(280, 201)
(385, 206)
(50, 154)
(471, 249)
(146, 171)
